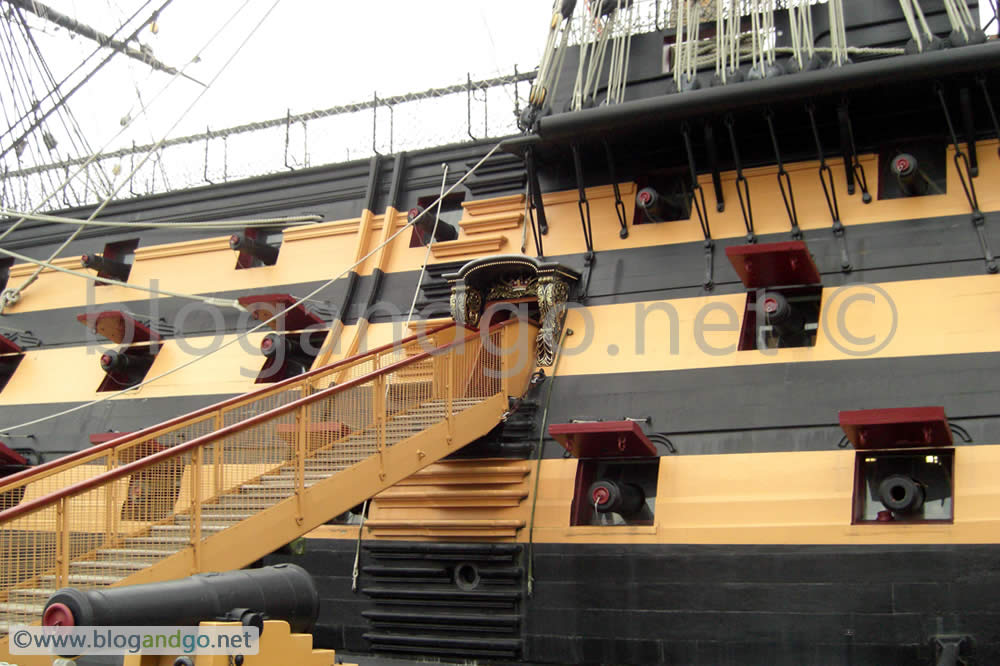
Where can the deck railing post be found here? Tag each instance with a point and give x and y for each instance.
(62, 542)
(379, 407)
(301, 420)
(111, 503)
(449, 393)
(197, 460)
(218, 458)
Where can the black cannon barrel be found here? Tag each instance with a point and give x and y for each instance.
(613, 496)
(254, 247)
(102, 264)
(281, 592)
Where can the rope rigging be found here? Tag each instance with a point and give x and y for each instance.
(209, 225)
(73, 130)
(41, 118)
(84, 165)
(13, 295)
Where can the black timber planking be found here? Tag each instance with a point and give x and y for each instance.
(797, 402)
(420, 609)
(70, 432)
(680, 604)
(718, 605)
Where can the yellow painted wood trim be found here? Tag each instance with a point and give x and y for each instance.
(472, 246)
(481, 224)
(426, 324)
(399, 219)
(339, 228)
(24, 270)
(182, 249)
(430, 534)
(600, 192)
(496, 205)
(456, 524)
(403, 493)
(440, 505)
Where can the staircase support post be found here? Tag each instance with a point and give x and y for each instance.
(380, 406)
(197, 461)
(449, 392)
(62, 543)
(111, 506)
(218, 456)
(301, 418)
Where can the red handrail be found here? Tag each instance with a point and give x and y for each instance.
(145, 432)
(148, 461)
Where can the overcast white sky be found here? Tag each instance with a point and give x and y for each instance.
(307, 55)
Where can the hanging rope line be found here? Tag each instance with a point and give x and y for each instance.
(838, 33)
(242, 336)
(964, 29)
(801, 28)
(65, 115)
(79, 85)
(214, 224)
(430, 243)
(921, 36)
(13, 296)
(621, 51)
(55, 90)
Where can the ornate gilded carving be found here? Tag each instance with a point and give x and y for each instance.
(552, 296)
(513, 286)
(473, 306)
(512, 277)
(466, 305)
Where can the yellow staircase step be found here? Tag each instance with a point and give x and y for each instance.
(405, 497)
(465, 528)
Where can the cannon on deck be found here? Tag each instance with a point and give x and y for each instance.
(281, 592)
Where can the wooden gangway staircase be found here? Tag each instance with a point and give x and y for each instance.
(219, 488)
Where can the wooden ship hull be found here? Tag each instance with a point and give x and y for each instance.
(673, 471)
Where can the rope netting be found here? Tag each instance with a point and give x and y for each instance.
(467, 111)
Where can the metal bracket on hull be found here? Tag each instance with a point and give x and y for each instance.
(583, 204)
(784, 180)
(698, 198)
(853, 169)
(713, 164)
(965, 176)
(742, 185)
(619, 205)
(952, 650)
(539, 227)
(965, 100)
(830, 192)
